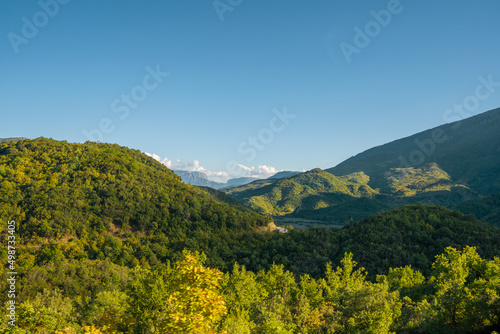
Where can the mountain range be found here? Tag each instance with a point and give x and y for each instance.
(196, 178)
(448, 165)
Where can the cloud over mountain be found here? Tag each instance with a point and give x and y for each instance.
(260, 172)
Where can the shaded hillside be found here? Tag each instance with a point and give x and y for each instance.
(306, 191)
(414, 235)
(341, 214)
(486, 208)
(468, 151)
(408, 235)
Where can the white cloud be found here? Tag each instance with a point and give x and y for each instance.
(260, 172)
(165, 161)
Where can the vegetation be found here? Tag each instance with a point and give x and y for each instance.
(315, 189)
(111, 241)
(410, 181)
(486, 208)
(101, 201)
(461, 295)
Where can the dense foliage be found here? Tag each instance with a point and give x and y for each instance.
(110, 241)
(485, 209)
(409, 235)
(101, 201)
(461, 295)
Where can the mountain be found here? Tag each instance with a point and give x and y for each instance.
(4, 140)
(283, 174)
(201, 179)
(239, 181)
(221, 197)
(468, 151)
(447, 165)
(198, 179)
(305, 191)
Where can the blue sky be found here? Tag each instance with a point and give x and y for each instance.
(235, 67)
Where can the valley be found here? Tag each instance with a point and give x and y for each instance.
(107, 234)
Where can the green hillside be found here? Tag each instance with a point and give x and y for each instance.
(448, 165)
(102, 201)
(311, 190)
(468, 152)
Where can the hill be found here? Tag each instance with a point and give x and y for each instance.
(468, 151)
(414, 235)
(486, 208)
(447, 165)
(305, 191)
(408, 235)
(108, 202)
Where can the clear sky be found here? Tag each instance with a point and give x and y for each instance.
(285, 85)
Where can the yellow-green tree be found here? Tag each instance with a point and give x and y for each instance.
(195, 304)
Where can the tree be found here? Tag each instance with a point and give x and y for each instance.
(194, 304)
(358, 305)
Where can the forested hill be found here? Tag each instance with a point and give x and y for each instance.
(408, 235)
(79, 193)
(311, 190)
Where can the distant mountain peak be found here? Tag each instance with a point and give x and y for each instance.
(4, 140)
